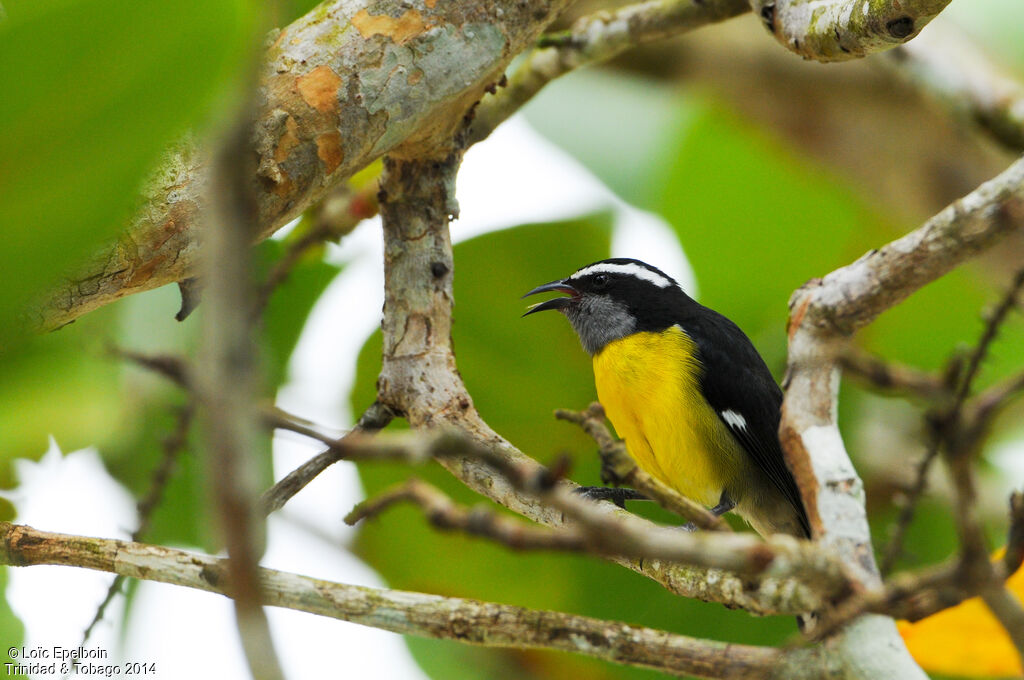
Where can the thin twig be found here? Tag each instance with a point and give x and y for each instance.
(444, 513)
(615, 459)
(989, 403)
(172, 367)
(891, 376)
(227, 384)
(948, 425)
(375, 418)
(894, 549)
(1007, 609)
(993, 322)
(1014, 555)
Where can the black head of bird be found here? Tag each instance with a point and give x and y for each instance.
(684, 387)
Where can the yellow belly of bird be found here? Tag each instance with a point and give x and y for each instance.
(648, 385)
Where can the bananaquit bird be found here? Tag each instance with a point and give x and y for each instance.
(686, 390)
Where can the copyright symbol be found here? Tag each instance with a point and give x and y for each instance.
(12, 652)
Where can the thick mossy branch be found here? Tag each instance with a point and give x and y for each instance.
(340, 87)
(837, 30)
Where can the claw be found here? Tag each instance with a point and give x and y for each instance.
(615, 495)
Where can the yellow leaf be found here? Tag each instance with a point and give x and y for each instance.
(965, 640)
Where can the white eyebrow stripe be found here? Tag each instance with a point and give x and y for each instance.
(733, 419)
(633, 269)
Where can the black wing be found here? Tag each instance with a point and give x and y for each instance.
(740, 388)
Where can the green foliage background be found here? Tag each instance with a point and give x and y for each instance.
(95, 90)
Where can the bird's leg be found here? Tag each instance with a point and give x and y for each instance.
(619, 496)
(725, 504)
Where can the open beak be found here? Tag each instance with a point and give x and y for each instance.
(553, 303)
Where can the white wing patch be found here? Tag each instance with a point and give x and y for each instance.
(734, 420)
(632, 269)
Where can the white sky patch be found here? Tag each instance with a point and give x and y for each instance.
(647, 237)
(734, 419)
(518, 177)
(69, 494)
(642, 273)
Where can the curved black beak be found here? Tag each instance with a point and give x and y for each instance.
(553, 303)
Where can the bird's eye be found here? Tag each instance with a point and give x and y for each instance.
(600, 281)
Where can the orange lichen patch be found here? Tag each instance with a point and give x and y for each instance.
(288, 141)
(400, 30)
(319, 88)
(285, 187)
(965, 640)
(799, 462)
(796, 317)
(328, 148)
(415, 77)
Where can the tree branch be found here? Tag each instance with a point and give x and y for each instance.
(592, 39)
(837, 30)
(373, 419)
(340, 86)
(823, 314)
(444, 513)
(1007, 609)
(949, 68)
(226, 389)
(407, 613)
(852, 296)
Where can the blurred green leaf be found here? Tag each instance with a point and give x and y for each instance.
(94, 90)
(944, 316)
(994, 25)
(12, 632)
(930, 539)
(290, 305)
(518, 371)
(60, 383)
(287, 11)
(756, 221)
(132, 458)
